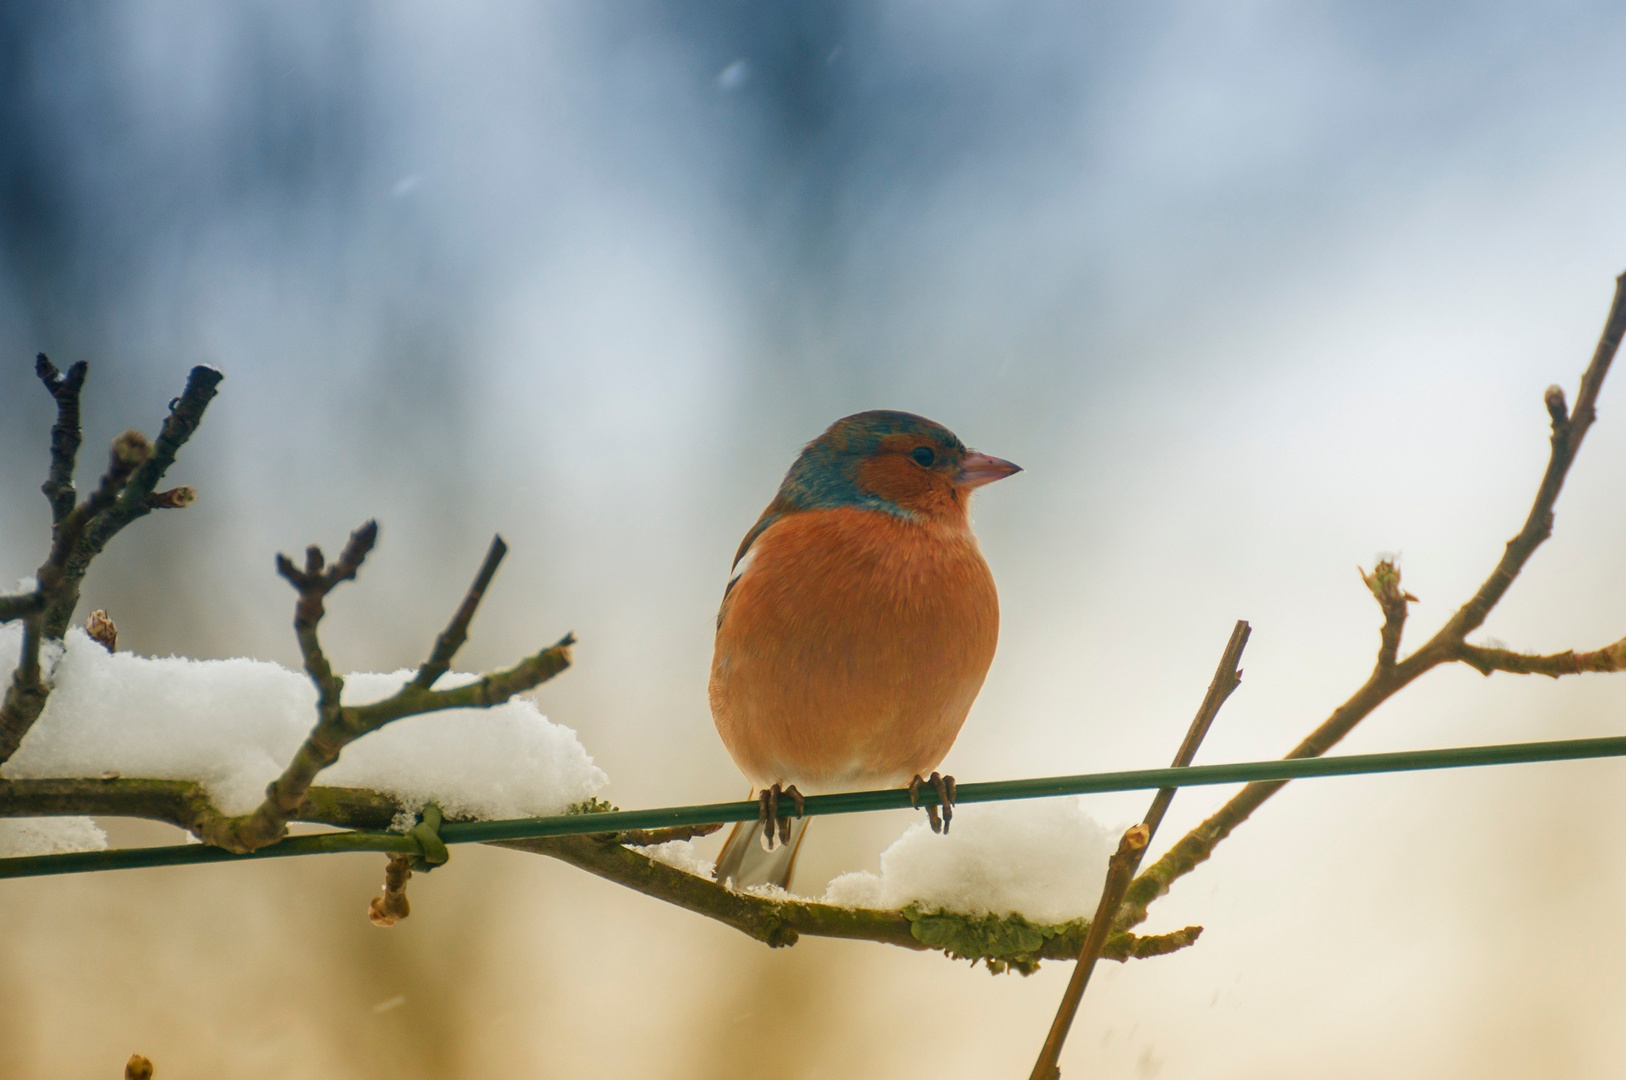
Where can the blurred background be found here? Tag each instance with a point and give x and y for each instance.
(1254, 291)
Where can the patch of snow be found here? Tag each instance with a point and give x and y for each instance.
(233, 725)
(1044, 859)
(49, 836)
(680, 854)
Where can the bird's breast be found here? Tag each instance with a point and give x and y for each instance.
(851, 647)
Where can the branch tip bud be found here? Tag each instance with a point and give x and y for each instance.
(130, 449)
(175, 498)
(102, 630)
(1556, 407)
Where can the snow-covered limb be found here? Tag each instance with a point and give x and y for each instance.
(957, 894)
(1000, 941)
(185, 803)
(80, 531)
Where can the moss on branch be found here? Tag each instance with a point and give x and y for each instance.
(1000, 942)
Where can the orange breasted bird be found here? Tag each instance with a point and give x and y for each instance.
(856, 628)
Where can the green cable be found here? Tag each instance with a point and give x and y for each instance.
(466, 832)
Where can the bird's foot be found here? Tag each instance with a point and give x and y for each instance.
(768, 813)
(944, 787)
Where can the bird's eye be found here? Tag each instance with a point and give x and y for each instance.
(923, 455)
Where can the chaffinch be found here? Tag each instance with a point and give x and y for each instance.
(856, 627)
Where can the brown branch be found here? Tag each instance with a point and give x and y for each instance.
(1124, 862)
(780, 922)
(20, 606)
(130, 497)
(1448, 643)
(176, 498)
(651, 837)
(1120, 868)
(184, 803)
(79, 532)
(338, 724)
(774, 921)
(1384, 584)
(392, 906)
(65, 433)
(457, 632)
(1569, 662)
(25, 697)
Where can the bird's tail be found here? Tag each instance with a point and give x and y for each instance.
(744, 861)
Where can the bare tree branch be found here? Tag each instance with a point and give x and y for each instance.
(391, 907)
(65, 434)
(1009, 941)
(130, 501)
(452, 638)
(1569, 662)
(1448, 644)
(184, 803)
(79, 532)
(20, 606)
(781, 921)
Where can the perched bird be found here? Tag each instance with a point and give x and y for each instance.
(856, 628)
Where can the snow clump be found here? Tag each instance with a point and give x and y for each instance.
(232, 725)
(1044, 859)
(49, 836)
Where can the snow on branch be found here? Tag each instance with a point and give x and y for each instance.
(339, 724)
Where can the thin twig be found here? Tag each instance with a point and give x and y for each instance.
(1121, 867)
(20, 606)
(391, 907)
(1569, 662)
(457, 632)
(1447, 645)
(65, 433)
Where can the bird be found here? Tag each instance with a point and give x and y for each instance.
(856, 628)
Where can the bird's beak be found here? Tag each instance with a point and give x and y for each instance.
(978, 469)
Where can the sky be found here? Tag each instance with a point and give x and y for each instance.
(1255, 292)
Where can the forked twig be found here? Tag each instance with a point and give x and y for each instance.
(1121, 867)
(79, 531)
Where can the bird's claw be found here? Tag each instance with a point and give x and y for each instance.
(944, 787)
(768, 812)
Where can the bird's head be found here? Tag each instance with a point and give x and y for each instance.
(893, 461)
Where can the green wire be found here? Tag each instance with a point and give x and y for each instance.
(466, 832)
